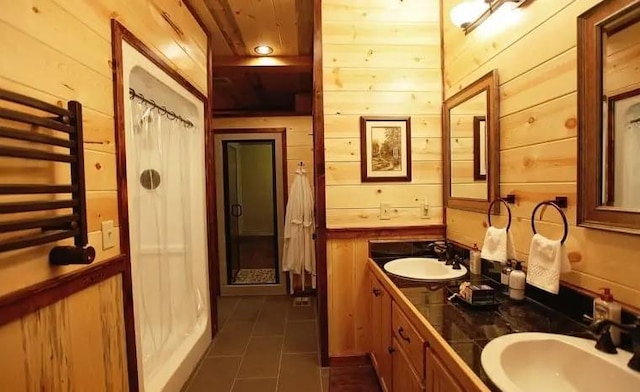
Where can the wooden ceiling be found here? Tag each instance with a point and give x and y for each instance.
(245, 84)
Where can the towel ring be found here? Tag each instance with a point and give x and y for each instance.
(503, 201)
(564, 218)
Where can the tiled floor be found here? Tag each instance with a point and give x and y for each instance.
(265, 344)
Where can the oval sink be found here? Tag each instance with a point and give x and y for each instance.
(532, 361)
(423, 269)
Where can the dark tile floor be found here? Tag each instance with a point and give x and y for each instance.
(265, 344)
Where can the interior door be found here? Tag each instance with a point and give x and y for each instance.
(234, 209)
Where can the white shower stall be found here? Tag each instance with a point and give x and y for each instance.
(165, 168)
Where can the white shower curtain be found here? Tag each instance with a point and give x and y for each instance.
(159, 180)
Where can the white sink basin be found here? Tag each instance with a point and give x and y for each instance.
(423, 269)
(548, 362)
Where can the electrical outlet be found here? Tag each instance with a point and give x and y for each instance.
(385, 211)
(108, 236)
(425, 210)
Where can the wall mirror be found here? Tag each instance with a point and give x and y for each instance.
(470, 146)
(609, 112)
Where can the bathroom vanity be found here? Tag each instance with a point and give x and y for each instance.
(421, 341)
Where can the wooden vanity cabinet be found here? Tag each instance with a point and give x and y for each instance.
(405, 378)
(380, 332)
(438, 378)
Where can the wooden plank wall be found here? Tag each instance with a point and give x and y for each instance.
(56, 51)
(48, 350)
(299, 138)
(59, 50)
(381, 57)
(536, 58)
(348, 294)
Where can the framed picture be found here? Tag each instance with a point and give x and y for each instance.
(479, 148)
(385, 149)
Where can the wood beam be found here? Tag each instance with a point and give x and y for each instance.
(226, 21)
(304, 20)
(288, 64)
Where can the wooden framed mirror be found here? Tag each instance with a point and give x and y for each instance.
(470, 145)
(609, 114)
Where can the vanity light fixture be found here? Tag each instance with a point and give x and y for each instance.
(263, 50)
(469, 14)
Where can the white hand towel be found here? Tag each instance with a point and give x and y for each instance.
(498, 245)
(547, 260)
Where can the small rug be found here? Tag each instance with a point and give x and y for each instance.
(256, 276)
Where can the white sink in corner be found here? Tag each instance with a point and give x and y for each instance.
(423, 269)
(531, 361)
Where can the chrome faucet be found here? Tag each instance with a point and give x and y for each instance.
(605, 344)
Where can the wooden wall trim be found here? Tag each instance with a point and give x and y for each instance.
(320, 191)
(30, 299)
(379, 232)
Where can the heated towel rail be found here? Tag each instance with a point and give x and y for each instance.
(36, 130)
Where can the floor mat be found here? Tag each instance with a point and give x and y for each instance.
(256, 276)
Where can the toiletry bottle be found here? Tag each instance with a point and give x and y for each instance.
(517, 282)
(475, 262)
(504, 276)
(604, 307)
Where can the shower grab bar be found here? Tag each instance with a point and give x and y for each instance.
(64, 129)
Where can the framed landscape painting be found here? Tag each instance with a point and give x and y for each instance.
(385, 149)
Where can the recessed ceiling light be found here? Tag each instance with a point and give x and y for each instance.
(263, 50)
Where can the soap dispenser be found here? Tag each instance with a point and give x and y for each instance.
(604, 307)
(504, 276)
(517, 281)
(475, 262)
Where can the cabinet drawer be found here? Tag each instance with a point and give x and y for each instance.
(409, 339)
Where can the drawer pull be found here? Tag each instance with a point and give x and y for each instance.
(401, 333)
(391, 350)
(377, 292)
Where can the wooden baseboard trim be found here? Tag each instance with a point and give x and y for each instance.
(381, 232)
(350, 360)
(30, 299)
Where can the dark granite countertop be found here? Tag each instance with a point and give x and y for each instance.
(468, 329)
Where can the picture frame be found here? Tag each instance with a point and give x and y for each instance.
(479, 148)
(385, 149)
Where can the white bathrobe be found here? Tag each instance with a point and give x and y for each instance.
(299, 250)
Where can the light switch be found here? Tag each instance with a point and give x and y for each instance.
(425, 209)
(385, 211)
(108, 236)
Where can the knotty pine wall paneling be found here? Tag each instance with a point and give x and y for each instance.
(56, 51)
(380, 58)
(535, 53)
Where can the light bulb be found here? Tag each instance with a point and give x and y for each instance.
(263, 50)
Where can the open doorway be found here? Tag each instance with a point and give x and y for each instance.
(250, 167)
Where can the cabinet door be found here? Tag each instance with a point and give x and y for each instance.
(404, 377)
(380, 331)
(439, 379)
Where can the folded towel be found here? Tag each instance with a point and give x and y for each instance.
(498, 245)
(547, 260)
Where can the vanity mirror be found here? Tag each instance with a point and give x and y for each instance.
(609, 112)
(470, 146)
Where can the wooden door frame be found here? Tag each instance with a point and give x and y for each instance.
(119, 34)
(210, 147)
(320, 192)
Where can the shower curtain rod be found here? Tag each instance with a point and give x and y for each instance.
(161, 109)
